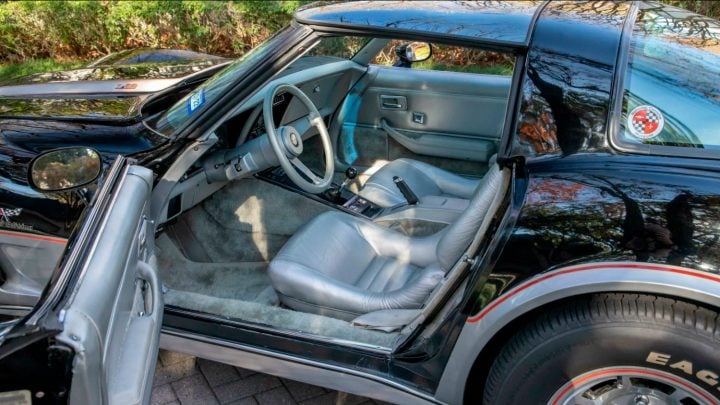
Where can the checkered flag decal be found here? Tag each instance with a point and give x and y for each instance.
(7, 213)
(641, 125)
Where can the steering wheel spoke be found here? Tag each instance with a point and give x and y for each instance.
(306, 171)
(315, 119)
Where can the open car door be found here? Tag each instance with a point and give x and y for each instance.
(111, 314)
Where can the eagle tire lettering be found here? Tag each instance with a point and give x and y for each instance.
(708, 377)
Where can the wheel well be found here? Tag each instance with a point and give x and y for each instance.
(475, 383)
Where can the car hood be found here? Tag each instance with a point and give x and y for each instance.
(97, 93)
(122, 108)
(139, 71)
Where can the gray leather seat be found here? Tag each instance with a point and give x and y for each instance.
(424, 180)
(344, 266)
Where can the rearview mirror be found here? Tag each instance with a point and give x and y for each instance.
(413, 52)
(65, 169)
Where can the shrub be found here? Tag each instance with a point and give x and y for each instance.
(83, 30)
(89, 29)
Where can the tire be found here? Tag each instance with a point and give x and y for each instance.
(611, 344)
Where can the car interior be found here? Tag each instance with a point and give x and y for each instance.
(341, 200)
(257, 233)
(357, 254)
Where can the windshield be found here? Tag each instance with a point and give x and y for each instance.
(179, 114)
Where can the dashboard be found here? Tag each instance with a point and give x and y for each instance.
(280, 106)
(326, 85)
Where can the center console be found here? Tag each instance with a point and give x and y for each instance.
(421, 218)
(337, 196)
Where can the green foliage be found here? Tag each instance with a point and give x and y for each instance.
(505, 69)
(89, 29)
(709, 8)
(37, 32)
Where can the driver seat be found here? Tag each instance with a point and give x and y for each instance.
(344, 266)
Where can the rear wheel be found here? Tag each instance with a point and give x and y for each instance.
(611, 349)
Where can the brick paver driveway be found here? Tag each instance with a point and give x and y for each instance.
(182, 379)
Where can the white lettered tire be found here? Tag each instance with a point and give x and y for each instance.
(611, 348)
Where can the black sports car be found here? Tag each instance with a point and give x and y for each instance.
(420, 202)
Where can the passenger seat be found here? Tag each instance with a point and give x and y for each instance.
(426, 181)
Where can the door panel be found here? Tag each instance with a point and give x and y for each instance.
(26, 264)
(452, 120)
(113, 319)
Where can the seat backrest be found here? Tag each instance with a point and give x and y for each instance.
(457, 237)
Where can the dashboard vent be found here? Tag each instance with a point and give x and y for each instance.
(279, 99)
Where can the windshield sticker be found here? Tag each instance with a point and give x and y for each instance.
(195, 101)
(645, 122)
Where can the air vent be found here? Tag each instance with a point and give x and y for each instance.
(279, 99)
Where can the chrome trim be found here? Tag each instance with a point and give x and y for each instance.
(286, 366)
(564, 283)
(98, 231)
(125, 86)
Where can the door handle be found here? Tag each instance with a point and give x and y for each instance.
(393, 102)
(149, 275)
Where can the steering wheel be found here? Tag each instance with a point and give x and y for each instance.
(288, 144)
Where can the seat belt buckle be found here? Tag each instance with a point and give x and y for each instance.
(411, 198)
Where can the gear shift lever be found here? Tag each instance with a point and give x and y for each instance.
(335, 193)
(350, 174)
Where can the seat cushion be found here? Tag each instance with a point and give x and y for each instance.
(343, 266)
(423, 179)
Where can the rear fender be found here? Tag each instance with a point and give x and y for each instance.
(564, 283)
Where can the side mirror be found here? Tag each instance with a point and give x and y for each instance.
(65, 169)
(412, 52)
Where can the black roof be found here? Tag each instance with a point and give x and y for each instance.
(507, 22)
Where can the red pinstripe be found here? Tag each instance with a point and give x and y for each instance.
(31, 236)
(620, 371)
(637, 266)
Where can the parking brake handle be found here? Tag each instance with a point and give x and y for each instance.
(411, 198)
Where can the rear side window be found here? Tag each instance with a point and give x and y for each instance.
(671, 99)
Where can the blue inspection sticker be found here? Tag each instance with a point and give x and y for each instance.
(195, 101)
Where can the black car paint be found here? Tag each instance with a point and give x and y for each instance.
(56, 214)
(110, 131)
(575, 199)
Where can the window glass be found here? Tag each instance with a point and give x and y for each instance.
(179, 114)
(452, 59)
(672, 85)
(339, 47)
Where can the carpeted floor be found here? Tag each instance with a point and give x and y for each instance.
(242, 291)
(246, 221)
(215, 258)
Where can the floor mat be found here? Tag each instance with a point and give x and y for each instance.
(246, 281)
(246, 221)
